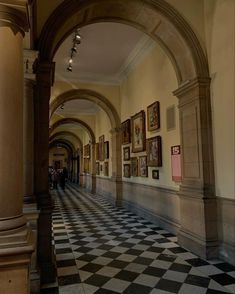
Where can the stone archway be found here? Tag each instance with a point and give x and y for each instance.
(89, 95)
(91, 134)
(64, 134)
(160, 20)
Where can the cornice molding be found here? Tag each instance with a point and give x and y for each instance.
(14, 14)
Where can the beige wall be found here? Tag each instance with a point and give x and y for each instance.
(153, 79)
(220, 36)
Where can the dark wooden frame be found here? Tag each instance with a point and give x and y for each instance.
(143, 169)
(126, 153)
(134, 167)
(126, 132)
(153, 116)
(140, 129)
(155, 174)
(127, 170)
(154, 151)
(106, 150)
(106, 168)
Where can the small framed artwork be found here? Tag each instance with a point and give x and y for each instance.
(155, 174)
(143, 168)
(126, 153)
(153, 116)
(101, 148)
(138, 135)
(154, 151)
(126, 132)
(97, 168)
(106, 168)
(134, 167)
(127, 170)
(106, 150)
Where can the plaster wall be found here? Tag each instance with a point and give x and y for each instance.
(58, 154)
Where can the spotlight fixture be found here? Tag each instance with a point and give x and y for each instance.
(73, 51)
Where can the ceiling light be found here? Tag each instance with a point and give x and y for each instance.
(76, 41)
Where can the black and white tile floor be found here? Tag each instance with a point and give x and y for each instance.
(103, 249)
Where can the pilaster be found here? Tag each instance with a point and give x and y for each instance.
(117, 163)
(198, 230)
(44, 79)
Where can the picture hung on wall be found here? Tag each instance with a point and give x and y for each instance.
(106, 168)
(106, 150)
(143, 168)
(134, 167)
(138, 135)
(127, 170)
(96, 151)
(97, 168)
(101, 148)
(126, 153)
(154, 151)
(126, 132)
(153, 116)
(155, 174)
(87, 150)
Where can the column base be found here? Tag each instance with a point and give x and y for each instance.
(117, 181)
(204, 249)
(16, 247)
(199, 231)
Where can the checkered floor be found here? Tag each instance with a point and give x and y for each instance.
(103, 249)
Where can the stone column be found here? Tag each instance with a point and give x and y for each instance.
(198, 230)
(30, 207)
(117, 164)
(44, 78)
(93, 169)
(16, 239)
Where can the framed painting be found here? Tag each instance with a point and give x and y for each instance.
(143, 168)
(106, 168)
(154, 151)
(155, 174)
(127, 170)
(126, 132)
(101, 148)
(106, 150)
(153, 116)
(126, 153)
(97, 168)
(134, 167)
(138, 135)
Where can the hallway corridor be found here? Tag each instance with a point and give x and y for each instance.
(103, 249)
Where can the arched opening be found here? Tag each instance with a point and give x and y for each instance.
(160, 20)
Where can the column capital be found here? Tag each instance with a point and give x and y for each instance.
(116, 130)
(14, 14)
(191, 89)
(30, 58)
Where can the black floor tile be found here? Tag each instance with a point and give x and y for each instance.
(176, 250)
(180, 268)
(97, 280)
(118, 264)
(143, 260)
(137, 289)
(225, 267)
(168, 285)
(223, 279)
(91, 267)
(166, 257)
(197, 262)
(69, 280)
(64, 263)
(54, 290)
(197, 281)
(154, 271)
(126, 275)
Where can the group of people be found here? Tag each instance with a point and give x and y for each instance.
(57, 176)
